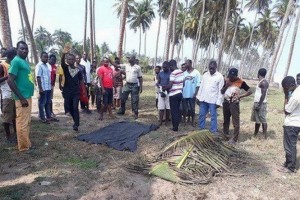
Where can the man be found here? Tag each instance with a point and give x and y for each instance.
(163, 96)
(175, 93)
(21, 82)
(53, 69)
(231, 104)
(118, 85)
(157, 69)
(93, 82)
(190, 90)
(105, 75)
(83, 70)
(291, 126)
(8, 104)
(298, 79)
(84, 61)
(210, 96)
(43, 75)
(71, 89)
(133, 86)
(61, 83)
(259, 110)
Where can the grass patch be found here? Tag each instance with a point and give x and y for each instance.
(81, 163)
(14, 192)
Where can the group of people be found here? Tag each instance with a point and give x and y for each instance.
(177, 93)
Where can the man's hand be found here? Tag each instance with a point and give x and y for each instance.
(24, 103)
(67, 48)
(217, 106)
(141, 90)
(257, 107)
(41, 91)
(103, 91)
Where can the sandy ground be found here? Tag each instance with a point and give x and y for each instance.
(63, 168)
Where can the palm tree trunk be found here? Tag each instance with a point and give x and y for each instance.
(5, 24)
(145, 44)
(22, 21)
(292, 44)
(85, 25)
(169, 30)
(123, 18)
(94, 26)
(140, 42)
(224, 34)
(198, 36)
(1, 44)
(29, 31)
(248, 48)
(174, 32)
(279, 39)
(91, 30)
(125, 37)
(157, 40)
(33, 16)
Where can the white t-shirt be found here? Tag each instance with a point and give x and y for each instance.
(87, 65)
(132, 72)
(293, 107)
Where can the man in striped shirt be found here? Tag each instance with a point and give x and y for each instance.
(175, 93)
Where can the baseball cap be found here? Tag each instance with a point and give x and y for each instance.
(233, 72)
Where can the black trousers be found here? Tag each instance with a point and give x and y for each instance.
(175, 102)
(72, 102)
(231, 110)
(290, 143)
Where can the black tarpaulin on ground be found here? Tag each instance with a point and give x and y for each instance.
(120, 135)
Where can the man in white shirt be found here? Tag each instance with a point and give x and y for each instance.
(291, 126)
(210, 96)
(86, 63)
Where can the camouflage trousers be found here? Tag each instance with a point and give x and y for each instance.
(133, 89)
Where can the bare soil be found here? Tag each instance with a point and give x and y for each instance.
(63, 168)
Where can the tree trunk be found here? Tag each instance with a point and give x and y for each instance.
(174, 32)
(91, 31)
(85, 25)
(166, 37)
(292, 44)
(123, 18)
(224, 34)
(22, 21)
(29, 32)
(5, 24)
(279, 39)
(94, 26)
(33, 15)
(1, 44)
(157, 40)
(145, 44)
(140, 42)
(170, 26)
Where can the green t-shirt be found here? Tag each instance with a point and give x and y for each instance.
(24, 78)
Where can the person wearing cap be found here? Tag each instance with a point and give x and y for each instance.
(192, 79)
(21, 82)
(259, 110)
(210, 96)
(291, 127)
(8, 103)
(133, 86)
(231, 104)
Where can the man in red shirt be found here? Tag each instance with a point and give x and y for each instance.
(105, 74)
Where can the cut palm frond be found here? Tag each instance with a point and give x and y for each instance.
(192, 159)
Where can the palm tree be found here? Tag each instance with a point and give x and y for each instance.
(169, 28)
(5, 24)
(61, 38)
(28, 28)
(43, 39)
(85, 25)
(91, 30)
(292, 44)
(141, 18)
(33, 15)
(123, 9)
(279, 39)
(22, 23)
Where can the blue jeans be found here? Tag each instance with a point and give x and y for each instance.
(44, 105)
(212, 108)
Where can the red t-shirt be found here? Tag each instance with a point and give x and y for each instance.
(53, 74)
(106, 73)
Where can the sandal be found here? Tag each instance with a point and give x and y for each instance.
(45, 121)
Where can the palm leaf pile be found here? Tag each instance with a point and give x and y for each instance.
(192, 159)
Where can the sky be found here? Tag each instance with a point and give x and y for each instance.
(68, 15)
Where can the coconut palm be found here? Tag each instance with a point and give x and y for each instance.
(292, 44)
(85, 24)
(272, 66)
(141, 18)
(61, 38)
(5, 24)
(43, 39)
(92, 29)
(28, 28)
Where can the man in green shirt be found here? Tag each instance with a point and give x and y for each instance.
(21, 82)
